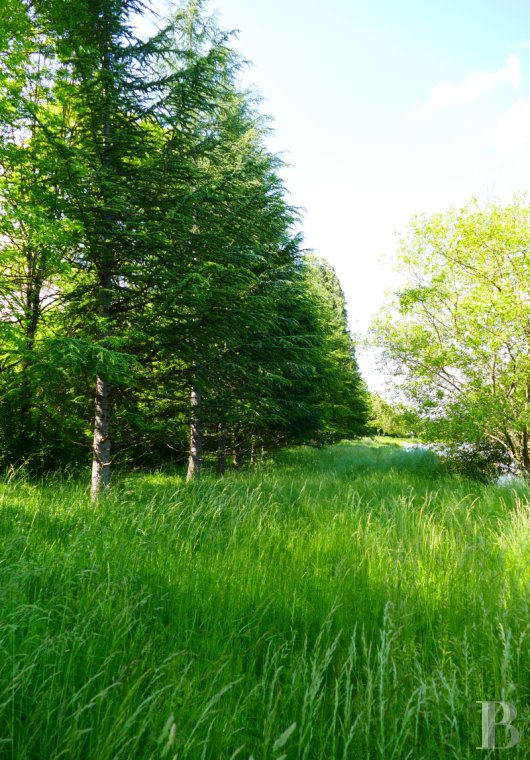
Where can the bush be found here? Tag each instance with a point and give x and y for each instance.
(482, 461)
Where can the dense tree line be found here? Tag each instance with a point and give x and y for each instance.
(155, 301)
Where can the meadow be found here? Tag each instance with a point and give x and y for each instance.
(350, 602)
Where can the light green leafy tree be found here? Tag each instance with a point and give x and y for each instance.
(458, 332)
(392, 419)
(36, 238)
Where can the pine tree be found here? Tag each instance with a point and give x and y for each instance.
(344, 402)
(149, 251)
(106, 101)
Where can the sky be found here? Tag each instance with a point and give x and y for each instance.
(384, 109)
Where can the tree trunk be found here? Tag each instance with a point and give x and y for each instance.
(221, 451)
(102, 403)
(195, 455)
(252, 451)
(237, 449)
(102, 443)
(263, 456)
(24, 437)
(526, 455)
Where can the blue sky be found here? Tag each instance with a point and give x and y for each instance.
(385, 109)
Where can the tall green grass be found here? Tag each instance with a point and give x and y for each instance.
(352, 602)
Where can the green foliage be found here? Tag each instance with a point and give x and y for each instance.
(147, 243)
(343, 401)
(482, 461)
(458, 330)
(394, 420)
(347, 602)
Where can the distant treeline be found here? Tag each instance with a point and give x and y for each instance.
(155, 300)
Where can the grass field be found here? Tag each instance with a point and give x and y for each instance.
(353, 602)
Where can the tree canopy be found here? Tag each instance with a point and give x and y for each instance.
(458, 330)
(155, 299)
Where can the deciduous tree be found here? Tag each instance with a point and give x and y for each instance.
(458, 331)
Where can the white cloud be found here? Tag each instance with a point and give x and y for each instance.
(475, 84)
(512, 133)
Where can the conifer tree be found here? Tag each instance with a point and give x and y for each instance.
(149, 251)
(106, 98)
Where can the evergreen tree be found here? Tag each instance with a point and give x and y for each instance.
(106, 100)
(149, 251)
(344, 402)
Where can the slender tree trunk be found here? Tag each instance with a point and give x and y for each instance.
(237, 448)
(263, 457)
(101, 445)
(195, 455)
(23, 438)
(526, 456)
(510, 445)
(221, 451)
(102, 441)
(101, 469)
(34, 264)
(252, 451)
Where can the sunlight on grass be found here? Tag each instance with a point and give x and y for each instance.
(345, 603)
